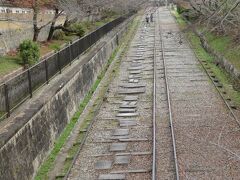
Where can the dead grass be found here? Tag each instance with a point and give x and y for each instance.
(54, 45)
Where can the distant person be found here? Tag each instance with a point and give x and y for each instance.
(147, 19)
(151, 17)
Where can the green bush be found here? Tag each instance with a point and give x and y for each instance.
(187, 13)
(55, 46)
(87, 25)
(78, 29)
(29, 52)
(59, 35)
(108, 14)
(180, 9)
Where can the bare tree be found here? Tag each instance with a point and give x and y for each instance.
(218, 15)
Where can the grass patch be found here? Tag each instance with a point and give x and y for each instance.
(91, 26)
(2, 115)
(53, 45)
(221, 44)
(226, 46)
(9, 64)
(182, 24)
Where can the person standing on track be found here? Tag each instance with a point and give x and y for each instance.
(151, 17)
(147, 19)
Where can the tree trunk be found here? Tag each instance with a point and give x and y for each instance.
(51, 31)
(52, 28)
(69, 21)
(36, 33)
(66, 22)
(36, 30)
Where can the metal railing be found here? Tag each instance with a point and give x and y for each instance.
(21, 87)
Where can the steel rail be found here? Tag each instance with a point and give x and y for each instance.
(154, 103)
(169, 104)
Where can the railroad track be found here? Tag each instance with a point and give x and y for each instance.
(124, 151)
(133, 134)
(169, 106)
(158, 33)
(200, 115)
(147, 32)
(175, 162)
(212, 77)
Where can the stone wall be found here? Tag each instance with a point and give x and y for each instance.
(24, 17)
(30, 138)
(219, 59)
(11, 39)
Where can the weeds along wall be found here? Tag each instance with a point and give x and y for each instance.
(29, 139)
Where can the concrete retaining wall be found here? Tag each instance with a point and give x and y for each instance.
(22, 154)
